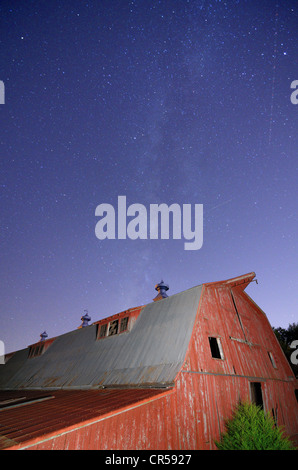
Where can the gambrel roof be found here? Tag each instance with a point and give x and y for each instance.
(150, 351)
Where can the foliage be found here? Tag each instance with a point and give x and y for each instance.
(287, 335)
(250, 428)
(285, 338)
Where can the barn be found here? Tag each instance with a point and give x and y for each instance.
(165, 375)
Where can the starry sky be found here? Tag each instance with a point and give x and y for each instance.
(164, 101)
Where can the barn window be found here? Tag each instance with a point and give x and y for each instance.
(296, 394)
(103, 331)
(271, 357)
(256, 393)
(123, 324)
(113, 327)
(215, 347)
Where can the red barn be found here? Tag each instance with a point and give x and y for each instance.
(162, 376)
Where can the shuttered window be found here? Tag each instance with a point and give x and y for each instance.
(123, 324)
(113, 327)
(103, 331)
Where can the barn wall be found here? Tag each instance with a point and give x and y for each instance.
(210, 388)
(246, 337)
(206, 401)
(191, 417)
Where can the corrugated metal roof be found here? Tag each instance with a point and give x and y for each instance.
(63, 411)
(151, 353)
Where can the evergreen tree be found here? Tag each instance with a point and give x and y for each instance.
(252, 429)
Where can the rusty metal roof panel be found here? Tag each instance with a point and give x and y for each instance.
(28, 417)
(151, 353)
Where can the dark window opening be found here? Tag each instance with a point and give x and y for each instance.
(215, 348)
(103, 331)
(296, 394)
(113, 328)
(123, 324)
(256, 393)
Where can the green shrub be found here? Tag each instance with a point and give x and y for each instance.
(252, 429)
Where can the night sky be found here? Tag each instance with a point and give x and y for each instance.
(171, 101)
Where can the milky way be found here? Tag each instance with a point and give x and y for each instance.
(183, 102)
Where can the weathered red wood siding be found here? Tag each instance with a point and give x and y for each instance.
(209, 389)
(148, 426)
(219, 318)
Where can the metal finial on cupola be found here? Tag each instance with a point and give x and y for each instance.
(85, 319)
(161, 289)
(43, 336)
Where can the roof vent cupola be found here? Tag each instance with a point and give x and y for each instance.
(161, 289)
(85, 319)
(43, 336)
